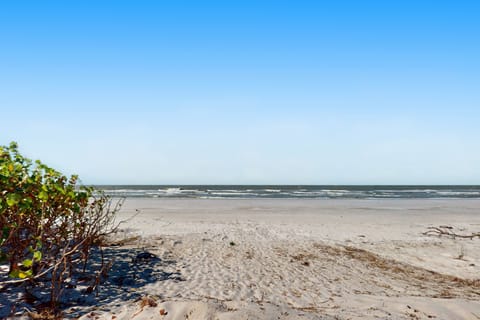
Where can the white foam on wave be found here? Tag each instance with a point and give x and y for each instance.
(191, 191)
(226, 190)
(171, 190)
(272, 190)
(408, 191)
(234, 193)
(458, 193)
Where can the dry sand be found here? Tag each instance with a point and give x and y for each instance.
(293, 259)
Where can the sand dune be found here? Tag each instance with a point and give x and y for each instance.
(292, 259)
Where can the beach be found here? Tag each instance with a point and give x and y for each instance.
(295, 259)
(282, 259)
(232, 160)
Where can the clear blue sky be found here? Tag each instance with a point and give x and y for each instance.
(239, 92)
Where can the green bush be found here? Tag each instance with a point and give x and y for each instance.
(46, 219)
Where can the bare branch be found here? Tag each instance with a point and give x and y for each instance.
(447, 231)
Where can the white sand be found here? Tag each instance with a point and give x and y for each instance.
(288, 259)
(298, 259)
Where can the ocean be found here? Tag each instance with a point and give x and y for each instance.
(291, 191)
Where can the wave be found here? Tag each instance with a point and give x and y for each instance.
(314, 192)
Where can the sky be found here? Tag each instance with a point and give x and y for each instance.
(244, 92)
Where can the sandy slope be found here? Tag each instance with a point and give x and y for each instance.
(294, 259)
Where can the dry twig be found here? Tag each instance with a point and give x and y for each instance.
(447, 231)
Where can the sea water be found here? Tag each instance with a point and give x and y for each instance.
(291, 191)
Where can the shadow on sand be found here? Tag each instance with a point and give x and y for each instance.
(131, 271)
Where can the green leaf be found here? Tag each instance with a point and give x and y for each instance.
(37, 256)
(15, 274)
(27, 263)
(13, 145)
(12, 199)
(43, 195)
(25, 274)
(60, 189)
